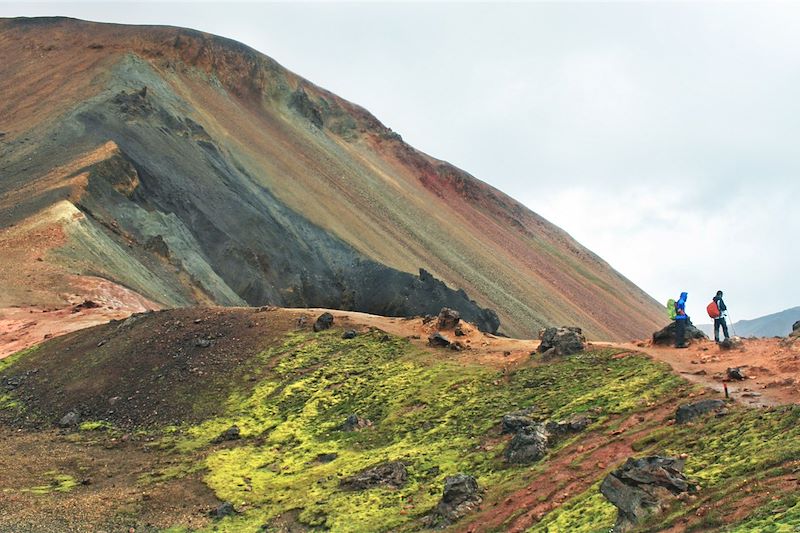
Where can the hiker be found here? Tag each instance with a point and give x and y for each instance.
(680, 321)
(719, 320)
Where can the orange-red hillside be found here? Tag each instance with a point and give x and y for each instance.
(191, 169)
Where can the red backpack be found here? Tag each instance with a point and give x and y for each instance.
(713, 310)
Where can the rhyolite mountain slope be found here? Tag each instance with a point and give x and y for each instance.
(773, 325)
(192, 169)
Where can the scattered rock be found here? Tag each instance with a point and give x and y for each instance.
(302, 321)
(690, 411)
(355, 423)
(70, 419)
(574, 424)
(565, 340)
(459, 331)
(448, 318)
(391, 474)
(461, 496)
(232, 433)
(222, 510)
(327, 457)
(349, 334)
(513, 422)
(528, 445)
(642, 487)
(438, 341)
(324, 321)
(732, 343)
(736, 373)
(666, 336)
(202, 343)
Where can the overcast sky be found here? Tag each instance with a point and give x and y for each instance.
(663, 136)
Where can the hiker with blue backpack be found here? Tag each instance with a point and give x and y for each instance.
(680, 321)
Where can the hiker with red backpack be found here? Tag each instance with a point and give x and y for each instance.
(717, 310)
(680, 321)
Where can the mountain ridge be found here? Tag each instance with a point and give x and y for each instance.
(218, 108)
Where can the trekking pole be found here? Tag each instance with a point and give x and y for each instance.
(731, 323)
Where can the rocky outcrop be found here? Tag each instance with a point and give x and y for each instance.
(531, 439)
(642, 487)
(565, 340)
(690, 411)
(666, 336)
(528, 445)
(515, 421)
(324, 321)
(448, 318)
(461, 495)
(392, 474)
(731, 344)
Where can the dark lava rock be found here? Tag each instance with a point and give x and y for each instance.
(642, 487)
(666, 336)
(391, 474)
(222, 510)
(690, 411)
(458, 331)
(562, 341)
(461, 495)
(513, 422)
(70, 419)
(202, 343)
(564, 427)
(327, 457)
(324, 321)
(438, 341)
(355, 423)
(736, 373)
(232, 433)
(448, 318)
(349, 334)
(796, 327)
(528, 445)
(730, 344)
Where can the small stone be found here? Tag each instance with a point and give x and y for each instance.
(349, 334)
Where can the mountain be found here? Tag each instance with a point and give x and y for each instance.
(774, 325)
(188, 169)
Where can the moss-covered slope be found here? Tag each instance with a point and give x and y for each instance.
(435, 411)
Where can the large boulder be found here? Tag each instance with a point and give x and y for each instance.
(565, 340)
(690, 411)
(324, 321)
(448, 318)
(516, 420)
(642, 487)
(666, 336)
(392, 474)
(461, 495)
(528, 445)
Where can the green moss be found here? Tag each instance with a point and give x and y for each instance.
(58, 483)
(6, 362)
(94, 425)
(589, 512)
(432, 413)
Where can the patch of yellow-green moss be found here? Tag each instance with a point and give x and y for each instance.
(94, 425)
(57, 483)
(427, 410)
(587, 513)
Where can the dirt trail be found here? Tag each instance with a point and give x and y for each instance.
(772, 368)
